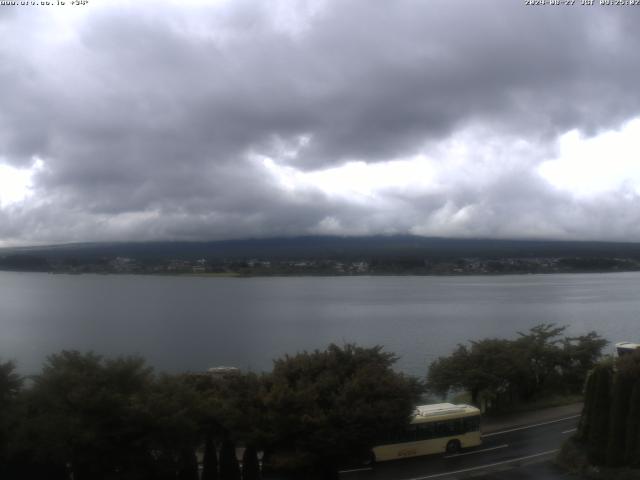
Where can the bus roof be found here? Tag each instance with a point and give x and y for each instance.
(442, 411)
(624, 348)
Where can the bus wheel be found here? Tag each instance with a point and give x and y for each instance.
(453, 446)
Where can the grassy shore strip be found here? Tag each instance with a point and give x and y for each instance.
(207, 274)
(539, 404)
(240, 274)
(548, 401)
(505, 421)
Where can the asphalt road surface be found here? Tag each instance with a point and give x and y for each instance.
(513, 453)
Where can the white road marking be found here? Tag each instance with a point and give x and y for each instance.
(444, 474)
(353, 470)
(570, 430)
(529, 426)
(476, 451)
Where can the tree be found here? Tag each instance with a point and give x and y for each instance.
(210, 459)
(490, 369)
(173, 411)
(452, 372)
(10, 387)
(618, 417)
(579, 356)
(10, 383)
(588, 408)
(540, 347)
(241, 408)
(111, 418)
(610, 422)
(629, 371)
(632, 440)
(229, 468)
(329, 405)
(83, 413)
(250, 465)
(501, 372)
(233, 407)
(599, 420)
(188, 469)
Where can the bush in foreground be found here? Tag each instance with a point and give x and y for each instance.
(608, 436)
(93, 418)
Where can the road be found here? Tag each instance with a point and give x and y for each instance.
(528, 448)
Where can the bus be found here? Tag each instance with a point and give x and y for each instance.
(626, 348)
(439, 428)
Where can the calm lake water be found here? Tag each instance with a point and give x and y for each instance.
(191, 323)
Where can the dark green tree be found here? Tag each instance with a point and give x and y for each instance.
(632, 441)
(599, 420)
(188, 468)
(579, 356)
(588, 409)
(629, 373)
(233, 407)
(491, 368)
(250, 465)
(236, 412)
(173, 411)
(83, 413)
(326, 405)
(242, 411)
(210, 459)
(111, 418)
(453, 372)
(10, 383)
(229, 467)
(10, 387)
(610, 423)
(502, 372)
(618, 417)
(540, 348)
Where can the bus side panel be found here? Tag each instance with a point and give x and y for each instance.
(470, 439)
(424, 447)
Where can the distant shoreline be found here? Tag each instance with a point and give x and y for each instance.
(329, 256)
(326, 275)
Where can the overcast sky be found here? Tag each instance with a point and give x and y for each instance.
(199, 120)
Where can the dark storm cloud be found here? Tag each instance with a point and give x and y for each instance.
(149, 119)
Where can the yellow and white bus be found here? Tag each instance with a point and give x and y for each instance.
(439, 428)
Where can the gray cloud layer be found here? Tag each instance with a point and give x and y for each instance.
(149, 120)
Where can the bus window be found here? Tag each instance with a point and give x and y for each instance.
(396, 436)
(410, 433)
(471, 424)
(443, 429)
(426, 431)
(457, 428)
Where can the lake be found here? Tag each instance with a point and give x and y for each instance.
(192, 323)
